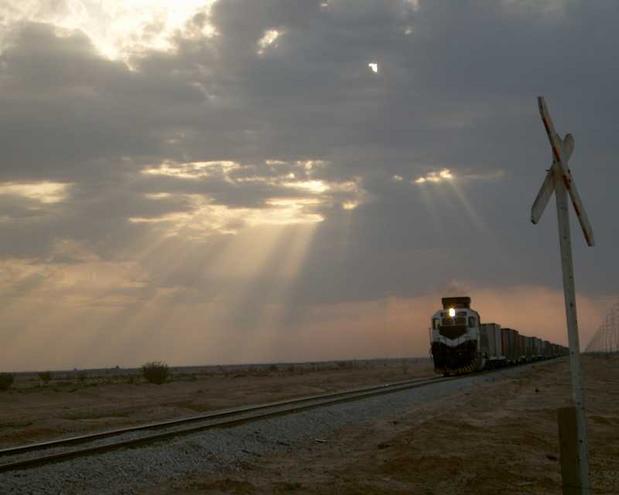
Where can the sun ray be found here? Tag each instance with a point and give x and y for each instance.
(428, 200)
(473, 216)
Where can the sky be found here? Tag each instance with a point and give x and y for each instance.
(207, 182)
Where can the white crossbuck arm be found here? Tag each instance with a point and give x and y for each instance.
(548, 186)
(580, 211)
(561, 152)
(553, 137)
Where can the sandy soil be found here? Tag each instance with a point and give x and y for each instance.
(32, 411)
(500, 438)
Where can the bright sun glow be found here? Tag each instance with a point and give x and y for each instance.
(43, 192)
(312, 186)
(290, 196)
(207, 218)
(269, 38)
(117, 29)
(440, 176)
(192, 170)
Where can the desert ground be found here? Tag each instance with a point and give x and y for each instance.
(500, 438)
(74, 402)
(488, 434)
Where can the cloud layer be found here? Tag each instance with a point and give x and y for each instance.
(245, 159)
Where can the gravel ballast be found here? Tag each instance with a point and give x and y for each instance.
(132, 470)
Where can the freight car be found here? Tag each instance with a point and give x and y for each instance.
(461, 343)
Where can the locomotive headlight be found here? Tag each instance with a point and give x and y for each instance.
(452, 312)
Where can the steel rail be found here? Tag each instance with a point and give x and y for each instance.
(177, 427)
(61, 442)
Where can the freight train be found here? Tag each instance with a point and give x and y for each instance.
(461, 343)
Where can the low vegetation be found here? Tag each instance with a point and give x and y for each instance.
(155, 372)
(6, 380)
(45, 376)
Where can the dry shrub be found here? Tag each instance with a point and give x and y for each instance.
(45, 376)
(155, 372)
(6, 380)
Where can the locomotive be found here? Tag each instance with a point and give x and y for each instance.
(461, 343)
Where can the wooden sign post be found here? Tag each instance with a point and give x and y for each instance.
(574, 450)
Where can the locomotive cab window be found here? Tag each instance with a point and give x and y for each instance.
(435, 323)
(471, 321)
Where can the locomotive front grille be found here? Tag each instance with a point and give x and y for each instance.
(452, 331)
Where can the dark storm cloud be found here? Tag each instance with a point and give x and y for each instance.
(456, 89)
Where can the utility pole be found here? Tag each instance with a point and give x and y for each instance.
(572, 425)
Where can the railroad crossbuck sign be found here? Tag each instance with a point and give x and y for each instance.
(572, 429)
(561, 153)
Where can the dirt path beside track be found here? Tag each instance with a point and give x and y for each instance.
(32, 411)
(500, 437)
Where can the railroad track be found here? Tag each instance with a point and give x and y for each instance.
(42, 453)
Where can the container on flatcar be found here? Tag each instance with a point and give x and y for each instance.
(490, 343)
(510, 338)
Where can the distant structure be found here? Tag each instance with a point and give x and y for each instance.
(606, 339)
